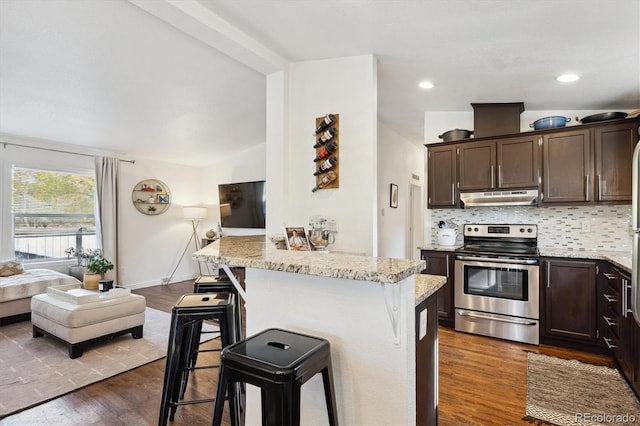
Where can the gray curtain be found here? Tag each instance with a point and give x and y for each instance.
(107, 209)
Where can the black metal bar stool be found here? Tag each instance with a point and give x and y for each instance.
(209, 284)
(189, 310)
(279, 362)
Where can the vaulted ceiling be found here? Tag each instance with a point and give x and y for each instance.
(185, 82)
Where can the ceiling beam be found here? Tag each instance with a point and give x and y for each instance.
(194, 19)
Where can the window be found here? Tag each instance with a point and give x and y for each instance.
(51, 212)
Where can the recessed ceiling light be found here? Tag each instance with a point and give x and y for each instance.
(425, 85)
(567, 78)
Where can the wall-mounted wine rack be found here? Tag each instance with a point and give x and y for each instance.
(327, 146)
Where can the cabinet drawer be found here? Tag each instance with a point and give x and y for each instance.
(611, 300)
(612, 321)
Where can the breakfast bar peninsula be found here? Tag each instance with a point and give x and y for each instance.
(379, 315)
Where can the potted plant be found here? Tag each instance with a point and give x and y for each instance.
(96, 268)
(82, 256)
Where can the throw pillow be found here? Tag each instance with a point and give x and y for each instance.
(11, 267)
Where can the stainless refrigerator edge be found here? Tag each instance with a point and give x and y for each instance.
(635, 224)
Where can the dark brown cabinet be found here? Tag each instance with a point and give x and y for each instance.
(507, 163)
(477, 166)
(426, 362)
(442, 176)
(614, 146)
(566, 170)
(620, 332)
(589, 165)
(569, 297)
(442, 263)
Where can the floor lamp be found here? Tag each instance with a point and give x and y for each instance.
(195, 215)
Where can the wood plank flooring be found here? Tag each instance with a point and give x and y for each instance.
(482, 382)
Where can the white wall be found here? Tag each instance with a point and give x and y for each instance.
(150, 246)
(398, 159)
(345, 86)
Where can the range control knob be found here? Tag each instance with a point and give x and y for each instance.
(530, 230)
(475, 229)
(469, 229)
(521, 229)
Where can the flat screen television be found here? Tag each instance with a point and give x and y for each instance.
(242, 204)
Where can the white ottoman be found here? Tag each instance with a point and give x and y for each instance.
(80, 325)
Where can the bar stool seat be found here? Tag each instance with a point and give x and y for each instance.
(192, 309)
(279, 362)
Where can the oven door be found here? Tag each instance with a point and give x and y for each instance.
(498, 287)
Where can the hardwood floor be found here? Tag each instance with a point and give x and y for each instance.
(482, 382)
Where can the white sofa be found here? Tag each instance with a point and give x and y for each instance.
(16, 290)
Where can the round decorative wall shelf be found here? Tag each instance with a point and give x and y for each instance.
(151, 197)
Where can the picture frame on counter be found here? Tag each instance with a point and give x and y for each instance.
(393, 196)
(296, 238)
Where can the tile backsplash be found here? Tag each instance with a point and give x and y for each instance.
(558, 227)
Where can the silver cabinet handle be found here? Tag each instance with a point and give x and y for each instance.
(453, 193)
(599, 188)
(464, 313)
(500, 175)
(623, 289)
(447, 259)
(610, 298)
(609, 344)
(610, 276)
(609, 321)
(492, 176)
(586, 187)
(548, 276)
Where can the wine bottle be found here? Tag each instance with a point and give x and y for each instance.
(326, 150)
(326, 165)
(326, 136)
(326, 122)
(326, 180)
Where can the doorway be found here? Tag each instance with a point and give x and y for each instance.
(416, 221)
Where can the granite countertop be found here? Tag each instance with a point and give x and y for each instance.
(257, 251)
(427, 285)
(621, 259)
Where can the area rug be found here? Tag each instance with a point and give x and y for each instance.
(570, 392)
(33, 371)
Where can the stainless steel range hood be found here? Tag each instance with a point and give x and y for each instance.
(523, 197)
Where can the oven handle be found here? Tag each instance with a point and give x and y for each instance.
(464, 313)
(489, 259)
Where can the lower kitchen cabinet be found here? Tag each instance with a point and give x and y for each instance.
(442, 263)
(569, 301)
(426, 362)
(619, 330)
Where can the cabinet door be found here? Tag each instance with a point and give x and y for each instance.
(613, 149)
(570, 299)
(518, 165)
(441, 263)
(442, 174)
(566, 167)
(477, 166)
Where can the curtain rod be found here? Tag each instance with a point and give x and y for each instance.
(58, 150)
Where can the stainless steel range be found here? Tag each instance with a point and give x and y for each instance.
(497, 283)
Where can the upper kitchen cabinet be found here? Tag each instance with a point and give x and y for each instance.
(507, 163)
(614, 146)
(567, 168)
(442, 175)
(589, 165)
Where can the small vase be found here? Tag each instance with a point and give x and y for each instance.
(77, 271)
(91, 280)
